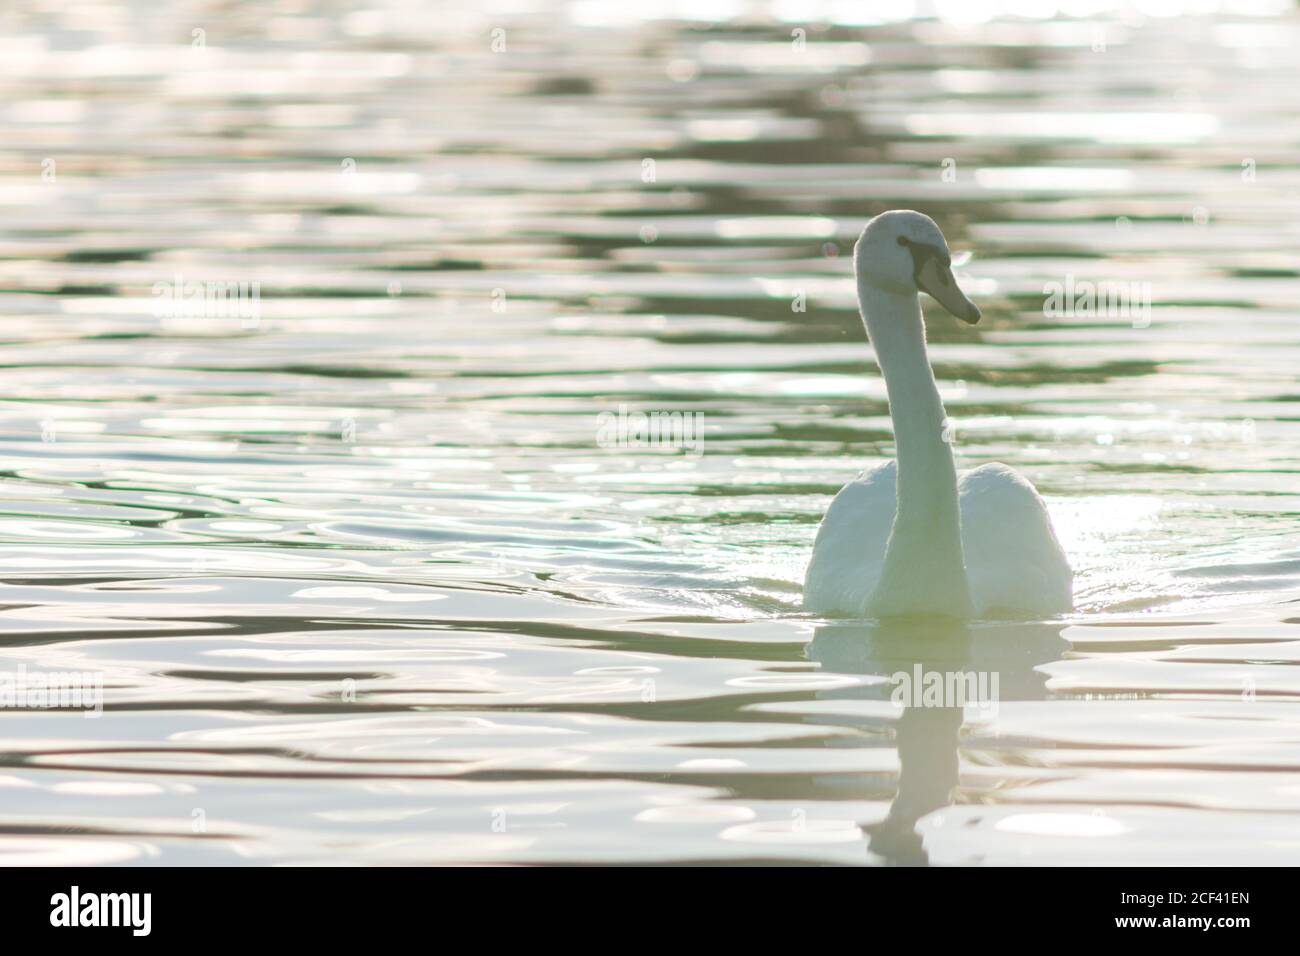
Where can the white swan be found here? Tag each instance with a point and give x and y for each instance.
(907, 537)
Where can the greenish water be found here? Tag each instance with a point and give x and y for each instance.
(363, 578)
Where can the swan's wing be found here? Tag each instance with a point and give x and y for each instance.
(850, 545)
(1013, 560)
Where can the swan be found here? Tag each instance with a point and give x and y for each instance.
(907, 537)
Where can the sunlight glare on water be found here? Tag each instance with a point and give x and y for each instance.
(362, 581)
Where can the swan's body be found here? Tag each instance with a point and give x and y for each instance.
(1013, 562)
(907, 537)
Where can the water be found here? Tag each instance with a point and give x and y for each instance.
(364, 586)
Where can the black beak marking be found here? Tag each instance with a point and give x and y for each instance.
(923, 252)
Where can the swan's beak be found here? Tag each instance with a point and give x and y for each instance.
(936, 279)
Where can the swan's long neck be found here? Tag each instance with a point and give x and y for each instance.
(924, 572)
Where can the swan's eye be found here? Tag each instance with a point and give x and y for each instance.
(923, 252)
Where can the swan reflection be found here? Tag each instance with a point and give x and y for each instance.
(937, 673)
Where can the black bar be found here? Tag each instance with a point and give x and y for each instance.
(331, 906)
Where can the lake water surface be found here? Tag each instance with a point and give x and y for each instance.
(363, 578)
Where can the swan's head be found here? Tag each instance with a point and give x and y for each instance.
(904, 252)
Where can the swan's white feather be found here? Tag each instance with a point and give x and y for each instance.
(1014, 563)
